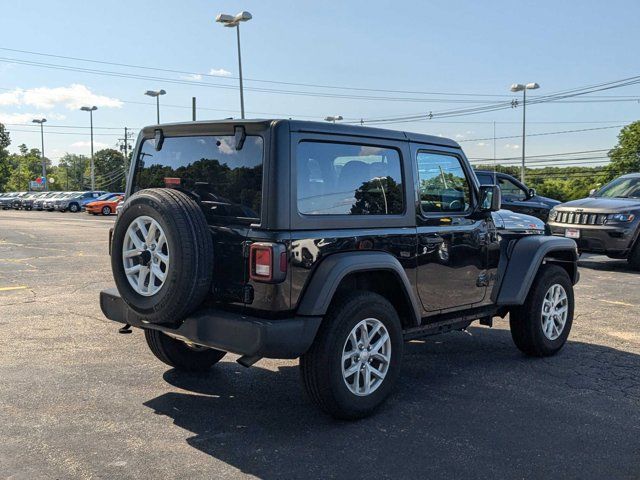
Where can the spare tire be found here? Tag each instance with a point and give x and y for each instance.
(162, 255)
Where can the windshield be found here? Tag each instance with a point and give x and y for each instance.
(106, 196)
(621, 188)
(227, 182)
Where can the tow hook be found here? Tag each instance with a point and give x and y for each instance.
(125, 329)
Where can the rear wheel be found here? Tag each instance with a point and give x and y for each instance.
(74, 207)
(355, 359)
(541, 326)
(181, 355)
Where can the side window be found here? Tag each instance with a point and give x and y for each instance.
(443, 184)
(348, 179)
(511, 191)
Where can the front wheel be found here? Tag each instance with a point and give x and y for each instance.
(181, 355)
(634, 257)
(74, 207)
(355, 359)
(106, 210)
(541, 326)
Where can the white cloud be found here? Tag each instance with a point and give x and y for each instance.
(72, 97)
(192, 76)
(220, 72)
(10, 98)
(81, 145)
(459, 135)
(27, 117)
(481, 144)
(512, 146)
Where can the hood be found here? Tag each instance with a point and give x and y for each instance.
(548, 201)
(517, 222)
(602, 205)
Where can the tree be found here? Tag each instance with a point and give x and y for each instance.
(109, 167)
(625, 156)
(5, 168)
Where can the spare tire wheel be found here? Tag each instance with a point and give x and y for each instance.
(162, 255)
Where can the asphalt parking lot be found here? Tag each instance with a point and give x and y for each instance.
(78, 400)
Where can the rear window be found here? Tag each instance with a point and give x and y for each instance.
(348, 179)
(228, 182)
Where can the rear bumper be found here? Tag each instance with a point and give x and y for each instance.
(600, 239)
(231, 332)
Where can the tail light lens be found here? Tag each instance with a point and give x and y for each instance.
(267, 262)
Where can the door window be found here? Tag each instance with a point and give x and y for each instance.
(444, 186)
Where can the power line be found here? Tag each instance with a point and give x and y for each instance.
(543, 133)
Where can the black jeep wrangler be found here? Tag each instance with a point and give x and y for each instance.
(332, 243)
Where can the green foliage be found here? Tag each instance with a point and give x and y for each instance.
(109, 167)
(5, 168)
(625, 156)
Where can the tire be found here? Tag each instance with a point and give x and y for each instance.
(526, 321)
(74, 208)
(634, 257)
(189, 250)
(106, 210)
(322, 366)
(179, 355)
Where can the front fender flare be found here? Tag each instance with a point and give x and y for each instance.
(520, 264)
(324, 282)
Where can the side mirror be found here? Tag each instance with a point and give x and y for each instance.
(532, 192)
(592, 191)
(490, 198)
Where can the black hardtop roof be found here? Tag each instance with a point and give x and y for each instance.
(312, 127)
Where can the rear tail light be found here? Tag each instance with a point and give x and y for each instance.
(267, 262)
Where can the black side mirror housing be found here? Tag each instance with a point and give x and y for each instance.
(532, 192)
(490, 198)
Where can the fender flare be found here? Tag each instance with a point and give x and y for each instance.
(324, 282)
(521, 261)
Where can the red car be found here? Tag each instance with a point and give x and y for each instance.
(104, 207)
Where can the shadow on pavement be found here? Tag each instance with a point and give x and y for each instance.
(605, 264)
(466, 406)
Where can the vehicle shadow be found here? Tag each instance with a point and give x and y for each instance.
(466, 406)
(605, 264)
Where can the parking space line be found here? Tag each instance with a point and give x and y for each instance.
(6, 289)
(615, 302)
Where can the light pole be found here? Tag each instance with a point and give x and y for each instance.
(231, 21)
(44, 166)
(93, 173)
(333, 118)
(517, 87)
(156, 94)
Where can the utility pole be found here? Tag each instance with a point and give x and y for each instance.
(519, 87)
(125, 149)
(44, 165)
(193, 108)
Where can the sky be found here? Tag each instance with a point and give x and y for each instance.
(436, 49)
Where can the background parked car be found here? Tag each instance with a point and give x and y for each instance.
(6, 199)
(606, 222)
(104, 207)
(76, 200)
(25, 202)
(38, 203)
(516, 196)
(50, 202)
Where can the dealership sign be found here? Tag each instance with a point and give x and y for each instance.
(38, 184)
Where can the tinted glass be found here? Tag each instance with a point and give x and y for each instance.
(511, 191)
(485, 178)
(227, 182)
(347, 179)
(621, 188)
(443, 184)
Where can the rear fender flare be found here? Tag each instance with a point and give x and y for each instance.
(324, 282)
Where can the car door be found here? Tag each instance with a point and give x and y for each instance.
(515, 197)
(452, 239)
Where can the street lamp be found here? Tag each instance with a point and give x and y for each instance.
(93, 173)
(333, 118)
(517, 87)
(231, 21)
(156, 94)
(44, 167)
